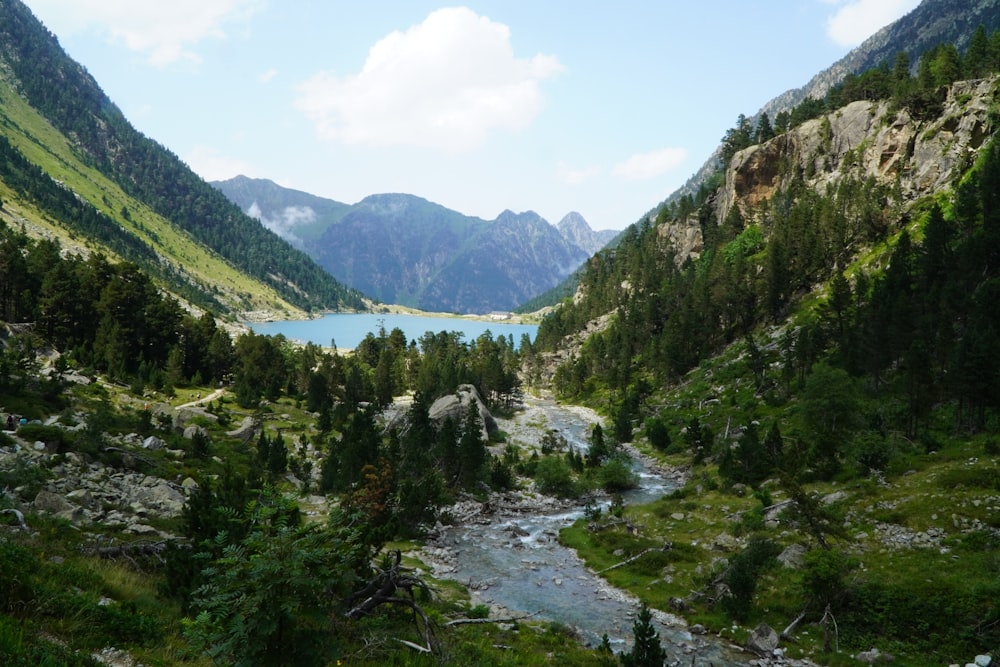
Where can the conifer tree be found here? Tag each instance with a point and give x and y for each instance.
(647, 651)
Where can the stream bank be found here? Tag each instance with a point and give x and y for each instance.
(507, 552)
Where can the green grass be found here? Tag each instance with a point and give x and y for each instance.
(45, 146)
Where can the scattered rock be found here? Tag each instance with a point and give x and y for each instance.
(153, 443)
(763, 640)
(793, 557)
(51, 503)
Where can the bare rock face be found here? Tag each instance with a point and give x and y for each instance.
(863, 139)
(457, 405)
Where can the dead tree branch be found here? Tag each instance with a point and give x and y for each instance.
(665, 547)
(18, 515)
(508, 619)
(383, 589)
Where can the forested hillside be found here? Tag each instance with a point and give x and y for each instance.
(821, 316)
(56, 87)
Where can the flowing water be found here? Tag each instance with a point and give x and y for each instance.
(518, 564)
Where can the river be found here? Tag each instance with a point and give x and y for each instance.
(514, 562)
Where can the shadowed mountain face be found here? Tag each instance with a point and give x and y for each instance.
(399, 248)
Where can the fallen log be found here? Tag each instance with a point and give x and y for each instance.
(665, 547)
(508, 619)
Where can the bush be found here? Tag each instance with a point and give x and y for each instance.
(744, 573)
(554, 476)
(54, 437)
(615, 475)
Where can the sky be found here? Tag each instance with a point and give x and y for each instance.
(599, 107)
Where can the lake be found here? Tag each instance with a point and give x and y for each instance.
(349, 329)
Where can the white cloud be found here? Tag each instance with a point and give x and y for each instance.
(445, 84)
(286, 221)
(164, 31)
(212, 165)
(266, 77)
(643, 166)
(576, 175)
(854, 21)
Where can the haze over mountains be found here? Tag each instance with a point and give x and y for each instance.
(400, 248)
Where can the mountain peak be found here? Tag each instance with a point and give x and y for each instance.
(575, 229)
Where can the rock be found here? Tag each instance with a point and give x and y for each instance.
(52, 503)
(793, 557)
(763, 640)
(725, 542)
(189, 485)
(157, 496)
(869, 657)
(983, 661)
(153, 443)
(191, 431)
(245, 430)
(677, 516)
(739, 490)
(81, 497)
(182, 416)
(456, 405)
(834, 497)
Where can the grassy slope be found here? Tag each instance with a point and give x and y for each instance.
(49, 149)
(952, 492)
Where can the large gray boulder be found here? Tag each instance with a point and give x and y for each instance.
(183, 416)
(763, 640)
(456, 406)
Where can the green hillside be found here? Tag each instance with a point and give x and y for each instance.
(58, 119)
(824, 364)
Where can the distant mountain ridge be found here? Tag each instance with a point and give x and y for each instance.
(400, 248)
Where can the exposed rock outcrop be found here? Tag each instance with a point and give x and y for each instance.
(456, 406)
(865, 139)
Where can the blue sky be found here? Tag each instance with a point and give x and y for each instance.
(604, 108)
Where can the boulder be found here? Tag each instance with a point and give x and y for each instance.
(793, 557)
(245, 430)
(763, 640)
(153, 443)
(158, 497)
(51, 503)
(81, 497)
(983, 661)
(191, 431)
(457, 405)
(182, 416)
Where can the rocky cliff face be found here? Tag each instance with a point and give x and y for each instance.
(864, 139)
(867, 139)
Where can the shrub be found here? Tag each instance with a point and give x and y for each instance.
(554, 476)
(743, 574)
(615, 475)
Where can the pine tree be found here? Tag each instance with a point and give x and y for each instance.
(647, 651)
(472, 448)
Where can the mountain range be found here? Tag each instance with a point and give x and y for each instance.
(808, 339)
(402, 249)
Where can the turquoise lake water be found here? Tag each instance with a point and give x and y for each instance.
(349, 329)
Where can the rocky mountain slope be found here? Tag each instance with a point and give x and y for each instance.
(932, 23)
(916, 157)
(403, 249)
